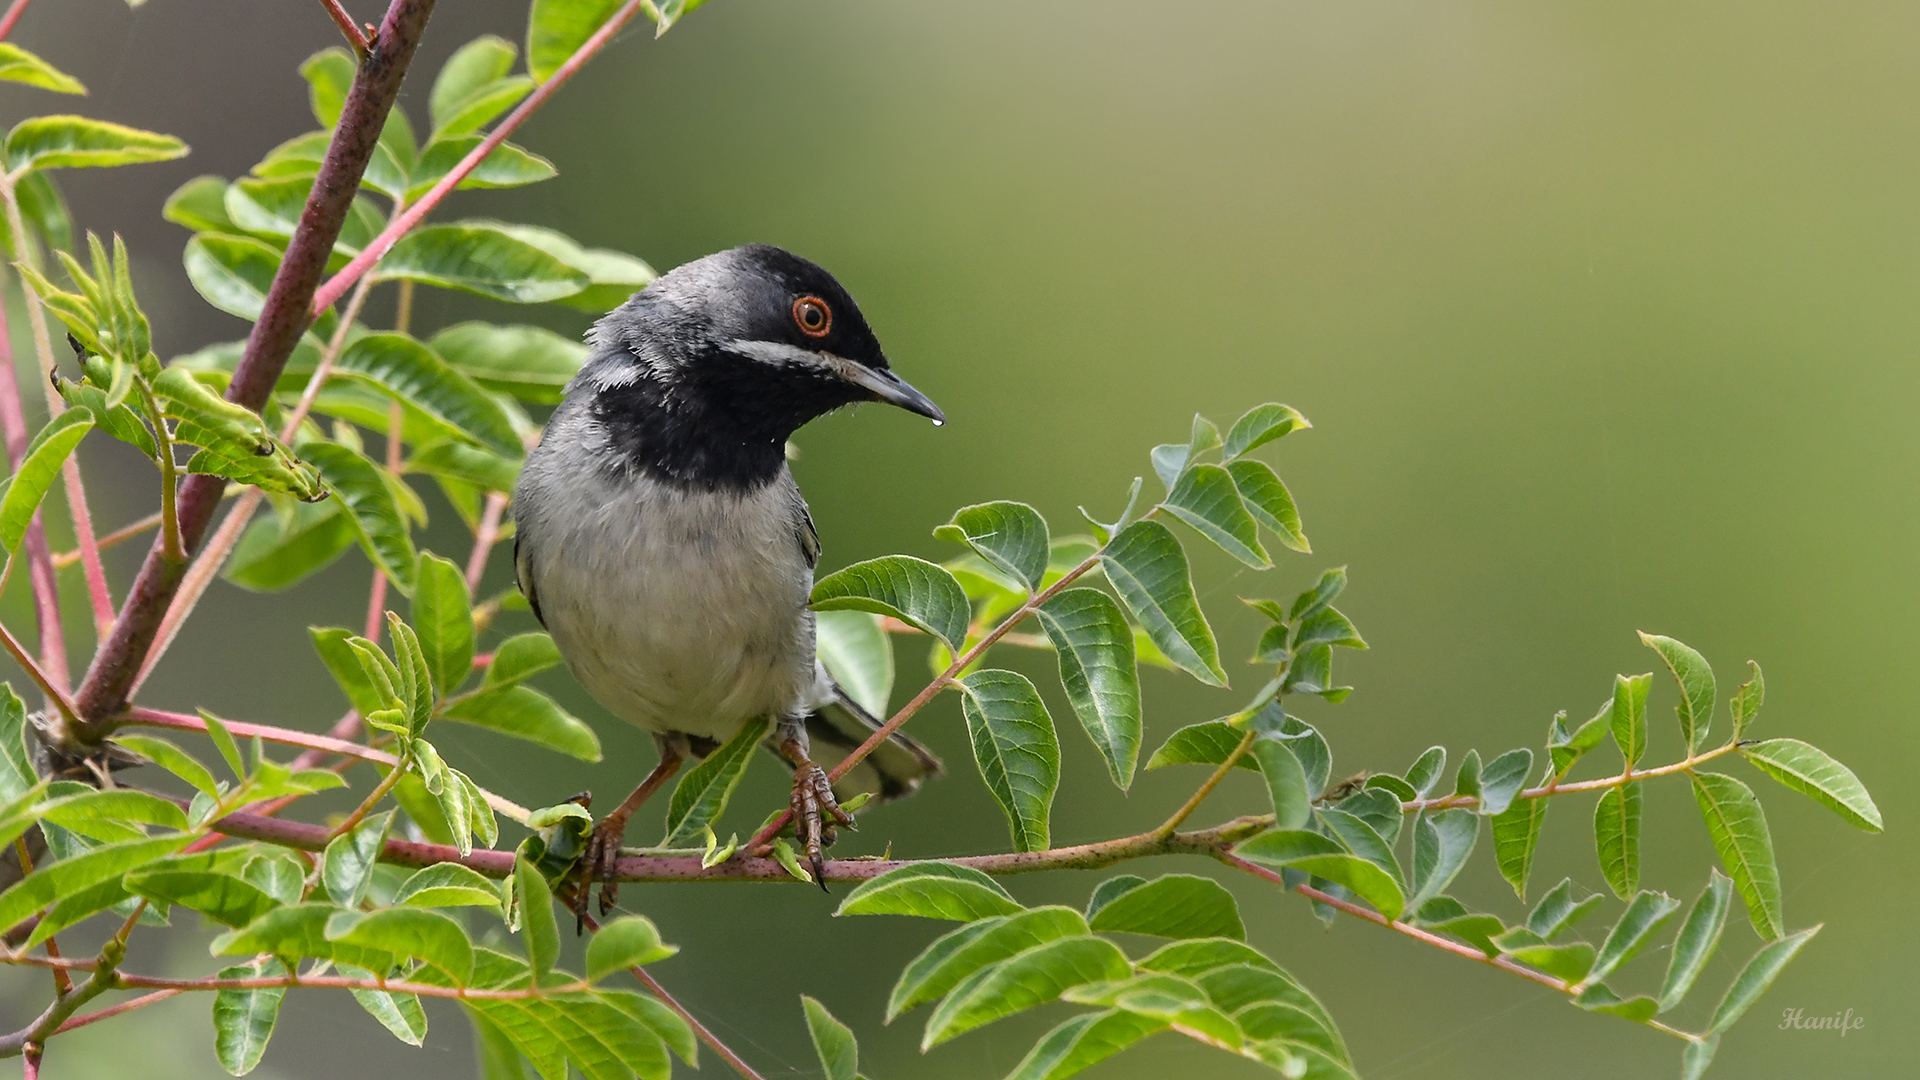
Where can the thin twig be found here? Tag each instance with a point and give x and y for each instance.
(40, 563)
(337, 286)
(61, 983)
(356, 37)
(98, 593)
(484, 537)
(64, 559)
(1206, 789)
(54, 694)
(111, 1011)
(1556, 788)
(700, 1030)
(14, 11)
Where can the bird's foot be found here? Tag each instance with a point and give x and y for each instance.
(815, 813)
(602, 861)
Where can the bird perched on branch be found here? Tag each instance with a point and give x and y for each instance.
(662, 541)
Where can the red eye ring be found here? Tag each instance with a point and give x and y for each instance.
(812, 315)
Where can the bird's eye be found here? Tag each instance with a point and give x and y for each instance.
(812, 316)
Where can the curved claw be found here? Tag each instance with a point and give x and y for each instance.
(816, 812)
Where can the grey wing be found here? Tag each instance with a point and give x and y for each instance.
(523, 576)
(894, 769)
(804, 532)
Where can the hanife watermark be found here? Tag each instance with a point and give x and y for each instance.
(1843, 1022)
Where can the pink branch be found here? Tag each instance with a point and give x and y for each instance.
(356, 37)
(12, 16)
(96, 574)
(283, 736)
(403, 223)
(487, 535)
(46, 584)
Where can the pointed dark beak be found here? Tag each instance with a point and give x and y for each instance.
(892, 389)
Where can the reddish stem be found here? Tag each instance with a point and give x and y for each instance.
(83, 542)
(356, 37)
(14, 11)
(285, 737)
(404, 222)
(111, 1011)
(487, 535)
(46, 585)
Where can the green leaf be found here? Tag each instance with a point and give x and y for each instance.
(471, 67)
(1569, 962)
(243, 1020)
(1441, 843)
(557, 28)
(1084, 1041)
(1697, 689)
(1698, 938)
(350, 859)
(19, 65)
(1697, 1056)
(415, 675)
(1644, 916)
(654, 1014)
(1033, 977)
(1450, 916)
(521, 657)
(1359, 837)
(409, 931)
(42, 207)
(190, 881)
(479, 259)
(75, 142)
(912, 590)
(1426, 770)
(167, 756)
(833, 1041)
(1558, 911)
(399, 1013)
(408, 370)
(1466, 780)
(629, 941)
(277, 553)
(232, 273)
(1756, 977)
(1745, 703)
(28, 485)
(1173, 906)
(1566, 749)
(18, 777)
(1261, 425)
(223, 741)
(957, 955)
(703, 792)
(234, 441)
(1010, 535)
(1629, 723)
(442, 616)
(1318, 855)
(614, 276)
(857, 653)
(1811, 772)
(1286, 781)
(1378, 807)
(529, 362)
(1269, 1004)
(1168, 998)
(78, 812)
(1597, 997)
(1208, 743)
(1502, 780)
(1740, 835)
(479, 107)
(371, 506)
(1616, 836)
(361, 690)
(930, 890)
(1015, 746)
(58, 880)
(534, 905)
(1205, 498)
(447, 885)
(1269, 501)
(1148, 569)
(1516, 834)
(271, 207)
(462, 462)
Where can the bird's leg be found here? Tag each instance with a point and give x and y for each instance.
(603, 846)
(815, 810)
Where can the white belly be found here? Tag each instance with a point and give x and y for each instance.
(677, 611)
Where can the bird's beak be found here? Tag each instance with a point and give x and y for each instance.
(892, 389)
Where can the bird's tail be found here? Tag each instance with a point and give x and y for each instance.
(894, 769)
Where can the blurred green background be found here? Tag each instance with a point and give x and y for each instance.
(1604, 314)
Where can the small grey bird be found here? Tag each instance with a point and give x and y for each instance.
(662, 541)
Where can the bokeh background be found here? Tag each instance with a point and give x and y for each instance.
(1604, 313)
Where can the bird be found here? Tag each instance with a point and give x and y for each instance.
(661, 540)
